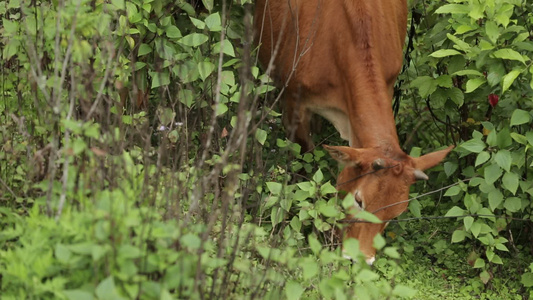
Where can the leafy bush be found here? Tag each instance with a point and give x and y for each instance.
(143, 157)
(475, 77)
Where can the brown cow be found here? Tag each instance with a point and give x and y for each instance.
(340, 59)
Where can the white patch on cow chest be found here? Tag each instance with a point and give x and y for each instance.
(338, 118)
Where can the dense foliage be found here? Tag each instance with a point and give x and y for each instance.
(142, 156)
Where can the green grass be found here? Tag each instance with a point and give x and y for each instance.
(440, 270)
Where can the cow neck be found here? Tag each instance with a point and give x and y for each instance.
(369, 104)
(372, 120)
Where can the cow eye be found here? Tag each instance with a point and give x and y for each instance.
(378, 164)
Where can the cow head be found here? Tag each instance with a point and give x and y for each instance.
(379, 183)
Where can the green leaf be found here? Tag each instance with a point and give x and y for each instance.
(10, 27)
(208, 4)
(461, 29)
(306, 186)
(513, 204)
(444, 53)
(274, 187)
(453, 191)
(458, 236)
(328, 210)
(426, 85)
(173, 32)
(473, 84)
(367, 216)
(367, 276)
(521, 139)
(468, 222)
(213, 22)
(314, 244)
(348, 201)
(501, 247)
(459, 44)
(504, 139)
(497, 259)
(186, 97)
(529, 136)
(327, 188)
(508, 80)
(62, 253)
(12, 4)
(193, 39)
(484, 276)
(118, 4)
(261, 136)
(468, 72)
(391, 252)
(414, 208)
(510, 182)
(10, 49)
(509, 54)
(495, 199)
(160, 78)
(527, 279)
(227, 48)
(350, 247)
(91, 130)
(453, 9)
(474, 145)
(455, 212)
(403, 291)
(309, 267)
(480, 263)
(450, 168)
(444, 81)
(228, 78)
(520, 117)
(318, 176)
(78, 295)
(78, 146)
(276, 215)
(482, 157)
(205, 68)
(492, 173)
(106, 289)
(492, 31)
(189, 240)
(379, 242)
(197, 23)
(144, 49)
(456, 95)
(503, 159)
(476, 228)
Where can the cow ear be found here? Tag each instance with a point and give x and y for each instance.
(432, 159)
(344, 155)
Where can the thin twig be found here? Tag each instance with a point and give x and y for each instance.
(419, 196)
(437, 218)
(66, 164)
(9, 189)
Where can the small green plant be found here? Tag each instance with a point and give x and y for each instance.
(142, 156)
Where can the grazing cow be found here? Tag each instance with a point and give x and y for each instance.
(340, 59)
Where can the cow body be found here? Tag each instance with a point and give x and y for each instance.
(340, 59)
